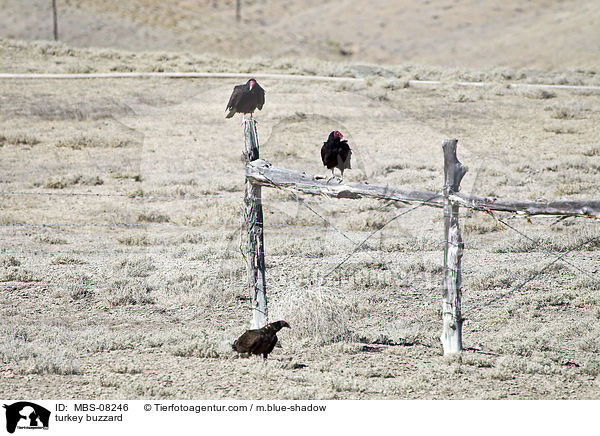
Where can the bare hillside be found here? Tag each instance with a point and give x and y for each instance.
(541, 34)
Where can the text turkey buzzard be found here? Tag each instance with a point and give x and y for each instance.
(259, 341)
(336, 153)
(246, 98)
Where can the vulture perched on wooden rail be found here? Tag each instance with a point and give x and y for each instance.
(245, 99)
(259, 341)
(336, 153)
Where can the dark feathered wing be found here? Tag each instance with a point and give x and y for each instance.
(234, 100)
(248, 342)
(336, 153)
(256, 342)
(260, 94)
(260, 341)
(344, 155)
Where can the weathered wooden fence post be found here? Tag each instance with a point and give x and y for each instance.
(238, 10)
(253, 215)
(54, 20)
(451, 287)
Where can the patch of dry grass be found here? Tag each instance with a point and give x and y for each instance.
(16, 274)
(128, 292)
(85, 141)
(70, 180)
(18, 140)
(33, 352)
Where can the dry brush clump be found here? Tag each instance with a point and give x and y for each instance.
(316, 314)
(50, 239)
(65, 259)
(123, 292)
(16, 274)
(197, 344)
(87, 141)
(134, 266)
(18, 140)
(70, 180)
(75, 285)
(9, 261)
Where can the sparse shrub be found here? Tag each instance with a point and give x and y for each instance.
(18, 140)
(136, 177)
(590, 343)
(535, 93)
(425, 267)
(316, 314)
(196, 345)
(123, 293)
(18, 275)
(191, 238)
(66, 260)
(592, 152)
(63, 182)
(78, 286)
(591, 367)
(558, 130)
(153, 217)
(136, 240)
(568, 112)
(49, 239)
(56, 362)
(572, 188)
(9, 261)
(127, 368)
(135, 267)
(86, 141)
(29, 350)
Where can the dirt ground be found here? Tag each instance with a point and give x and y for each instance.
(121, 270)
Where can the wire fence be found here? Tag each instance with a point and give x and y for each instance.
(349, 242)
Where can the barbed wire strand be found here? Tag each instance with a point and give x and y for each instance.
(533, 277)
(359, 245)
(377, 230)
(538, 244)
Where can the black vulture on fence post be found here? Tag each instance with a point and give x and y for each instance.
(336, 153)
(238, 10)
(253, 215)
(245, 99)
(452, 320)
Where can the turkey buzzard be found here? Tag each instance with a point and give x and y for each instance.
(246, 98)
(260, 341)
(336, 153)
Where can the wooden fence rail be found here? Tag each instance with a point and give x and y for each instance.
(261, 173)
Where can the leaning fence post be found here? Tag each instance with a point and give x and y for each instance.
(253, 215)
(453, 248)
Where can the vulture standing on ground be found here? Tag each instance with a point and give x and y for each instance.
(245, 99)
(336, 153)
(260, 341)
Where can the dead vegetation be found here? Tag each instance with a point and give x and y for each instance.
(136, 224)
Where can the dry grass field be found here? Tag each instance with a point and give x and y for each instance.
(120, 200)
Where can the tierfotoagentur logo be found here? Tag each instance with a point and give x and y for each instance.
(26, 415)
